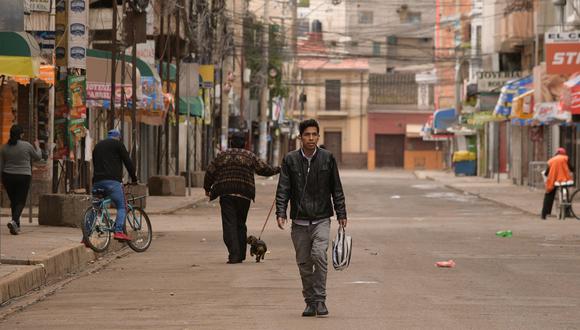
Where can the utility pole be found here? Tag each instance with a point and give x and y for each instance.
(168, 83)
(111, 122)
(264, 94)
(177, 89)
(134, 97)
(160, 129)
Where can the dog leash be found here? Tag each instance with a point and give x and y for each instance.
(267, 218)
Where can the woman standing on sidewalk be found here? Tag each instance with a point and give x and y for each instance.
(16, 167)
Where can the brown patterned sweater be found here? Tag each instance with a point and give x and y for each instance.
(232, 173)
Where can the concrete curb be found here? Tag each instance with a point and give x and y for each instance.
(21, 281)
(32, 273)
(449, 186)
(35, 272)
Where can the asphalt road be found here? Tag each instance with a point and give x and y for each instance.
(400, 226)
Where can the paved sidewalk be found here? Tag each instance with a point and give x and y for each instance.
(504, 193)
(43, 254)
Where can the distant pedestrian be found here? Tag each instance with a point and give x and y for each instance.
(231, 178)
(558, 171)
(16, 159)
(309, 180)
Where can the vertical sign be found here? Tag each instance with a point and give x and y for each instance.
(61, 40)
(78, 34)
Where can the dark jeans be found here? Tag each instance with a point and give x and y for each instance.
(548, 203)
(16, 186)
(234, 215)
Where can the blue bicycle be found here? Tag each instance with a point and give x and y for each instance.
(98, 225)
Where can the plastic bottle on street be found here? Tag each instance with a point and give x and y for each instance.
(504, 233)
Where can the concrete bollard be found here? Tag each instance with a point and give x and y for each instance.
(166, 186)
(62, 210)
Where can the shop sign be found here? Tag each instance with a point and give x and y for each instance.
(488, 81)
(98, 91)
(40, 5)
(562, 52)
(547, 112)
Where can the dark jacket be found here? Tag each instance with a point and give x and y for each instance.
(310, 192)
(108, 158)
(232, 173)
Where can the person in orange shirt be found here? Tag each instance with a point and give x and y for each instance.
(558, 171)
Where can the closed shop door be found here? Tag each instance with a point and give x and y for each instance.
(390, 150)
(333, 143)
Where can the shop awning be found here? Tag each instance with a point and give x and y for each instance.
(443, 119)
(195, 106)
(510, 91)
(523, 106)
(145, 70)
(172, 71)
(19, 55)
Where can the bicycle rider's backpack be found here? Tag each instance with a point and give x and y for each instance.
(341, 250)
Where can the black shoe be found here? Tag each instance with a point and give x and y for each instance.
(321, 309)
(310, 310)
(234, 262)
(14, 228)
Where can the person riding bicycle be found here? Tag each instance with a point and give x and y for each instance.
(557, 173)
(109, 156)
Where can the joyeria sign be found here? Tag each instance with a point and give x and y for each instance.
(562, 52)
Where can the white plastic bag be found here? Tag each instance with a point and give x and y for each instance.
(341, 250)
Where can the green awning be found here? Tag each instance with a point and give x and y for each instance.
(195, 103)
(144, 69)
(19, 55)
(172, 71)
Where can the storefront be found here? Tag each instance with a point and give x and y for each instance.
(26, 98)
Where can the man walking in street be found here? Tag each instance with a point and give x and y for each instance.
(109, 156)
(309, 180)
(231, 178)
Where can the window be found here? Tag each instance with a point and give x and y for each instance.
(391, 40)
(365, 17)
(414, 18)
(376, 49)
(478, 40)
(333, 95)
(303, 26)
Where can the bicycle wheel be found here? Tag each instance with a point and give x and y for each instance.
(96, 233)
(575, 205)
(561, 203)
(138, 227)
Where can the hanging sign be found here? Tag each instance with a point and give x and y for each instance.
(78, 34)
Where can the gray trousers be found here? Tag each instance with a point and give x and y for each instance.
(311, 245)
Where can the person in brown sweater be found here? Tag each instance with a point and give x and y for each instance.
(230, 176)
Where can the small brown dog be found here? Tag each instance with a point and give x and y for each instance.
(257, 248)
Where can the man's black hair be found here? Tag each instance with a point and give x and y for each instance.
(238, 140)
(308, 123)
